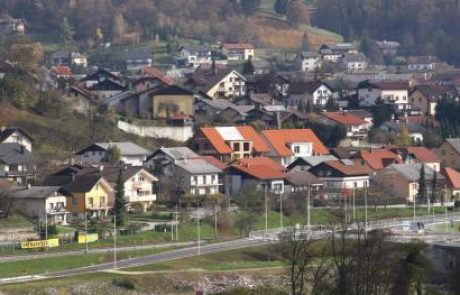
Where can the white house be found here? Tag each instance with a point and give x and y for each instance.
(394, 93)
(196, 55)
(318, 93)
(41, 203)
(422, 63)
(355, 62)
(334, 52)
(183, 172)
(131, 154)
(341, 176)
(356, 127)
(308, 61)
(16, 163)
(138, 58)
(238, 51)
(15, 135)
(222, 84)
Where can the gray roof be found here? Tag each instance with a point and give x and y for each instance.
(354, 57)
(14, 153)
(127, 148)
(302, 178)
(34, 192)
(179, 152)
(412, 171)
(198, 166)
(315, 160)
(199, 49)
(455, 143)
(138, 53)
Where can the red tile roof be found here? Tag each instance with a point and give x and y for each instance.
(423, 154)
(258, 142)
(216, 140)
(61, 70)
(247, 132)
(155, 73)
(344, 118)
(453, 176)
(280, 138)
(379, 159)
(261, 168)
(349, 170)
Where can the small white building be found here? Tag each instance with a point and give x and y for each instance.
(317, 92)
(308, 61)
(393, 93)
(16, 135)
(355, 62)
(131, 154)
(196, 55)
(41, 203)
(238, 51)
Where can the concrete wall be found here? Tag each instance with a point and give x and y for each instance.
(181, 134)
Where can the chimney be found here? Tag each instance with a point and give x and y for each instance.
(28, 186)
(2, 128)
(101, 168)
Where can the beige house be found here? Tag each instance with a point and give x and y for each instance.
(402, 180)
(170, 101)
(15, 135)
(426, 97)
(230, 85)
(449, 152)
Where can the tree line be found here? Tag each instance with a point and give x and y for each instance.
(423, 27)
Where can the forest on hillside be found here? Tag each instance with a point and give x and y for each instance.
(423, 27)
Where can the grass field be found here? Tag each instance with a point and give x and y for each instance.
(45, 265)
(15, 221)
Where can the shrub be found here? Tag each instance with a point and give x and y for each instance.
(124, 283)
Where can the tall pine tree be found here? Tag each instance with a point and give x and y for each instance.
(422, 184)
(305, 42)
(119, 207)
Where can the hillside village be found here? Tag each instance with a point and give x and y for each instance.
(319, 126)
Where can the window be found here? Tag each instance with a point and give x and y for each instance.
(296, 149)
(51, 206)
(60, 205)
(213, 178)
(195, 179)
(74, 201)
(102, 201)
(246, 146)
(236, 146)
(91, 202)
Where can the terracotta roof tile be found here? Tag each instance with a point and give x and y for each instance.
(423, 154)
(215, 162)
(453, 177)
(280, 138)
(349, 170)
(379, 159)
(258, 142)
(344, 118)
(216, 140)
(261, 168)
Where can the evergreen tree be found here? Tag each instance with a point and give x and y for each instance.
(280, 6)
(119, 207)
(305, 42)
(381, 113)
(113, 155)
(331, 105)
(422, 184)
(248, 67)
(67, 33)
(249, 7)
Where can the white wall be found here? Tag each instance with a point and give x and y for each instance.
(181, 134)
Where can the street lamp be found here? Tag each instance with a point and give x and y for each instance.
(266, 209)
(198, 228)
(114, 240)
(365, 209)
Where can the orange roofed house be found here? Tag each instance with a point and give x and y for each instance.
(357, 128)
(453, 182)
(261, 172)
(289, 144)
(229, 143)
(378, 159)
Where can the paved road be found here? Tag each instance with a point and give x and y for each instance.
(91, 251)
(144, 260)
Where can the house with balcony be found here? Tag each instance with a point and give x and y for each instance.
(131, 154)
(453, 183)
(138, 58)
(316, 92)
(340, 176)
(402, 181)
(182, 172)
(334, 52)
(356, 127)
(422, 63)
(377, 159)
(392, 93)
(41, 203)
(419, 155)
(388, 48)
(238, 51)
(229, 143)
(225, 83)
(262, 172)
(426, 97)
(17, 164)
(355, 62)
(287, 145)
(195, 55)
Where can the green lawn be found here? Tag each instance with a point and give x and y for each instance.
(254, 257)
(445, 227)
(44, 265)
(15, 221)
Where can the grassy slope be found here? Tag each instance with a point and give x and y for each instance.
(15, 221)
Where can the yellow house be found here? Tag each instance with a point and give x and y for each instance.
(170, 101)
(90, 194)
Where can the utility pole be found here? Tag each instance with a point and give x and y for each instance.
(308, 207)
(266, 209)
(177, 225)
(46, 230)
(86, 233)
(114, 240)
(365, 210)
(354, 204)
(198, 228)
(281, 209)
(215, 221)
